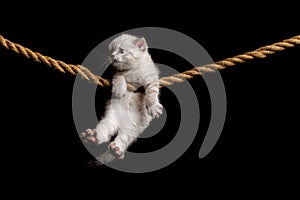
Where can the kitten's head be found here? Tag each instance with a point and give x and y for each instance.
(128, 51)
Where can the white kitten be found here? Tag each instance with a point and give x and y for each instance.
(128, 114)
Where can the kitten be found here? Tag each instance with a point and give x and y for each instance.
(128, 113)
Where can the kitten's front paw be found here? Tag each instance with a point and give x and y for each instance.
(118, 92)
(155, 110)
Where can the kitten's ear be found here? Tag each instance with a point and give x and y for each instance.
(141, 43)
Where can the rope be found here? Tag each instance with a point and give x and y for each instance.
(262, 52)
(86, 74)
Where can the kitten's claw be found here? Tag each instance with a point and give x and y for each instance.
(155, 110)
(116, 150)
(89, 136)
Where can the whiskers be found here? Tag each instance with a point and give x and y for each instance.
(104, 62)
(103, 59)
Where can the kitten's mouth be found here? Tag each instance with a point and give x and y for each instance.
(122, 70)
(116, 62)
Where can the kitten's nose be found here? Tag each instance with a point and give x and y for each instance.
(112, 58)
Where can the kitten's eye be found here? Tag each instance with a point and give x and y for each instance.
(121, 51)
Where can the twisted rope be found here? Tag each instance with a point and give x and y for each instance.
(86, 74)
(261, 52)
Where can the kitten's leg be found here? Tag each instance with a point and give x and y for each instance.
(104, 130)
(119, 87)
(121, 143)
(154, 108)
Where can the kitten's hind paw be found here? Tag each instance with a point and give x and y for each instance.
(89, 135)
(116, 150)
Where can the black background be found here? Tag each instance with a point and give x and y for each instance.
(257, 150)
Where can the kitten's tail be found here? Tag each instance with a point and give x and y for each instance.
(103, 159)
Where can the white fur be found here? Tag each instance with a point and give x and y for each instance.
(129, 113)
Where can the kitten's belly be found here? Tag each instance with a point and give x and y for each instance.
(131, 109)
(136, 81)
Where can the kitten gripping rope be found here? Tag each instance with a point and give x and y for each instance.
(127, 114)
(86, 74)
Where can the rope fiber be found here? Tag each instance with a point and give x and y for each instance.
(86, 74)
